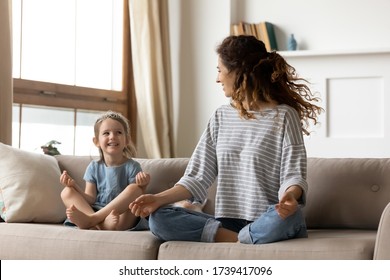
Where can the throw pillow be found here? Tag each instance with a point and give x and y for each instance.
(29, 187)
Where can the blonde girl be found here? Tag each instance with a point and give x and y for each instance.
(112, 182)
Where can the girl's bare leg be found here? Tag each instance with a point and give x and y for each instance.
(120, 205)
(79, 218)
(114, 221)
(114, 216)
(75, 204)
(72, 197)
(110, 222)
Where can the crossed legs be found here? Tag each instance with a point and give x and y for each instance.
(114, 216)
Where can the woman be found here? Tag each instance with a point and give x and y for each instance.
(253, 146)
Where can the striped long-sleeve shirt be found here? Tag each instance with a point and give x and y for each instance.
(254, 161)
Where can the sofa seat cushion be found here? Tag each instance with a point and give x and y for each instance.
(58, 242)
(320, 245)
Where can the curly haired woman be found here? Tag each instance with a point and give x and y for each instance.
(253, 146)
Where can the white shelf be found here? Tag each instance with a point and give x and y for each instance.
(312, 53)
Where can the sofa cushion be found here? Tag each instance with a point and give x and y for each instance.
(29, 187)
(347, 192)
(75, 166)
(34, 241)
(320, 245)
(165, 172)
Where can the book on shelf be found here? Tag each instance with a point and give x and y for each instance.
(237, 29)
(271, 35)
(265, 35)
(263, 31)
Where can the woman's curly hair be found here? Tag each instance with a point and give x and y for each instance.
(265, 76)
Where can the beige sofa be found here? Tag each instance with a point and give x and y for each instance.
(347, 212)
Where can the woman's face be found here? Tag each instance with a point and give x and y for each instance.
(226, 79)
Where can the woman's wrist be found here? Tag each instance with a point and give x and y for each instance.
(172, 195)
(296, 191)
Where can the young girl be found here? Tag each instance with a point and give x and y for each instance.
(112, 182)
(253, 146)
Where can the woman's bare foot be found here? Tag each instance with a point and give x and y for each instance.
(111, 221)
(80, 219)
(195, 206)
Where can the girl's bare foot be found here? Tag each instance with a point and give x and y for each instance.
(79, 218)
(111, 221)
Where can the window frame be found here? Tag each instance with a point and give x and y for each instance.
(75, 97)
(40, 93)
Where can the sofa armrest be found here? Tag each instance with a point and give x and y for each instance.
(382, 244)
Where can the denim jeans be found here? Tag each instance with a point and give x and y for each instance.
(176, 223)
(269, 227)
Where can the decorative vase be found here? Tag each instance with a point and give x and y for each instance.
(292, 43)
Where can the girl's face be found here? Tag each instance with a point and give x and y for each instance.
(112, 138)
(226, 79)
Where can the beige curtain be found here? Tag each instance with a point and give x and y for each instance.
(152, 76)
(5, 72)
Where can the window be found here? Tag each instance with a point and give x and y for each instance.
(70, 63)
(35, 126)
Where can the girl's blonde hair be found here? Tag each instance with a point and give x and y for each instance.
(129, 151)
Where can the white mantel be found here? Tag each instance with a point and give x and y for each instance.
(355, 90)
(320, 53)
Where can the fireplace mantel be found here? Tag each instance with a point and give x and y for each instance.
(354, 87)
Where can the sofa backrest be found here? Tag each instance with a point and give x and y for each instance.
(347, 192)
(164, 172)
(343, 193)
(75, 166)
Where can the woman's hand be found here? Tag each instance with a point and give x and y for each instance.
(288, 204)
(144, 205)
(66, 180)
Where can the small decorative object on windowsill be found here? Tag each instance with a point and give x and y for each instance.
(50, 149)
(292, 43)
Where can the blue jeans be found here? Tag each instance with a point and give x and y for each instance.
(180, 224)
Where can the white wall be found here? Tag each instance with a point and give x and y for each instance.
(197, 26)
(323, 24)
(354, 88)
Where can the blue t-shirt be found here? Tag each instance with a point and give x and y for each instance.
(110, 181)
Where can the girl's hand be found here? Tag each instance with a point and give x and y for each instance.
(144, 205)
(142, 179)
(66, 180)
